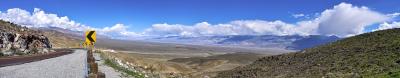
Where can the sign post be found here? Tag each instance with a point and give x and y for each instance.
(90, 39)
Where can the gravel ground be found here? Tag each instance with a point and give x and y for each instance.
(110, 72)
(66, 66)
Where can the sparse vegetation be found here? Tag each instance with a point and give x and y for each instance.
(34, 50)
(122, 69)
(238, 58)
(374, 54)
(16, 51)
(125, 71)
(209, 66)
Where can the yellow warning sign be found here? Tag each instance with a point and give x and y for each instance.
(90, 37)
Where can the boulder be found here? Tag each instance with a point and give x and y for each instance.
(20, 43)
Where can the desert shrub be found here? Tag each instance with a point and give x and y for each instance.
(1, 54)
(112, 63)
(19, 53)
(34, 51)
(16, 51)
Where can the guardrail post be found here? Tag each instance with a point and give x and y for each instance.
(93, 66)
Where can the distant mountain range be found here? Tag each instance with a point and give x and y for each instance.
(290, 42)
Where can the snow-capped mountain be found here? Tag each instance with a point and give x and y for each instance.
(291, 42)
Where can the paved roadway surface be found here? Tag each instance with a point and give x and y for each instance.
(67, 66)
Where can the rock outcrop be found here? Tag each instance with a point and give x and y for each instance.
(17, 40)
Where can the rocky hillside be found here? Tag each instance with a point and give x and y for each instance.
(17, 40)
(374, 55)
(62, 38)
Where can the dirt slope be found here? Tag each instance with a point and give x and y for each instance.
(374, 54)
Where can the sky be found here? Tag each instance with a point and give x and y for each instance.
(136, 18)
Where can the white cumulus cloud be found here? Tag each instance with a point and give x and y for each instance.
(342, 20)
(387, 25)
(394, 15)
(346, 20)
(238, 27)
(39, 18)
(118, 31)
(298, 15)
(115, 28)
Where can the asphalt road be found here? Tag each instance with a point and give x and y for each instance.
(67, 66)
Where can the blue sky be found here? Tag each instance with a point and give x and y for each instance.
(139, 15)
